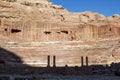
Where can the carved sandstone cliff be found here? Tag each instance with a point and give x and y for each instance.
(33, 29)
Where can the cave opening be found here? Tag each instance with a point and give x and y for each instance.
(47, 32)
(66, 32)
(5, 29)
(15, 30)
(110, 29)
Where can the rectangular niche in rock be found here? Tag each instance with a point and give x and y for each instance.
(15, 30)
(47, 32)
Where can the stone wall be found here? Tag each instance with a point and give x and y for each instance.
(41, 31)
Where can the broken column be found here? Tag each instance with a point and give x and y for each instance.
(54, 61)
(48, 61)
(82, 61)
(86, 61)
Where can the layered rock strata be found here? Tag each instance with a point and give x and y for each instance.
(34, 29)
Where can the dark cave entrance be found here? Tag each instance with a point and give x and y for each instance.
(15, 30)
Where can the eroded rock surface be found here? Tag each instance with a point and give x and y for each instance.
(33, 29)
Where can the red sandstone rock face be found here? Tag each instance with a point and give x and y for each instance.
(36, 28)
